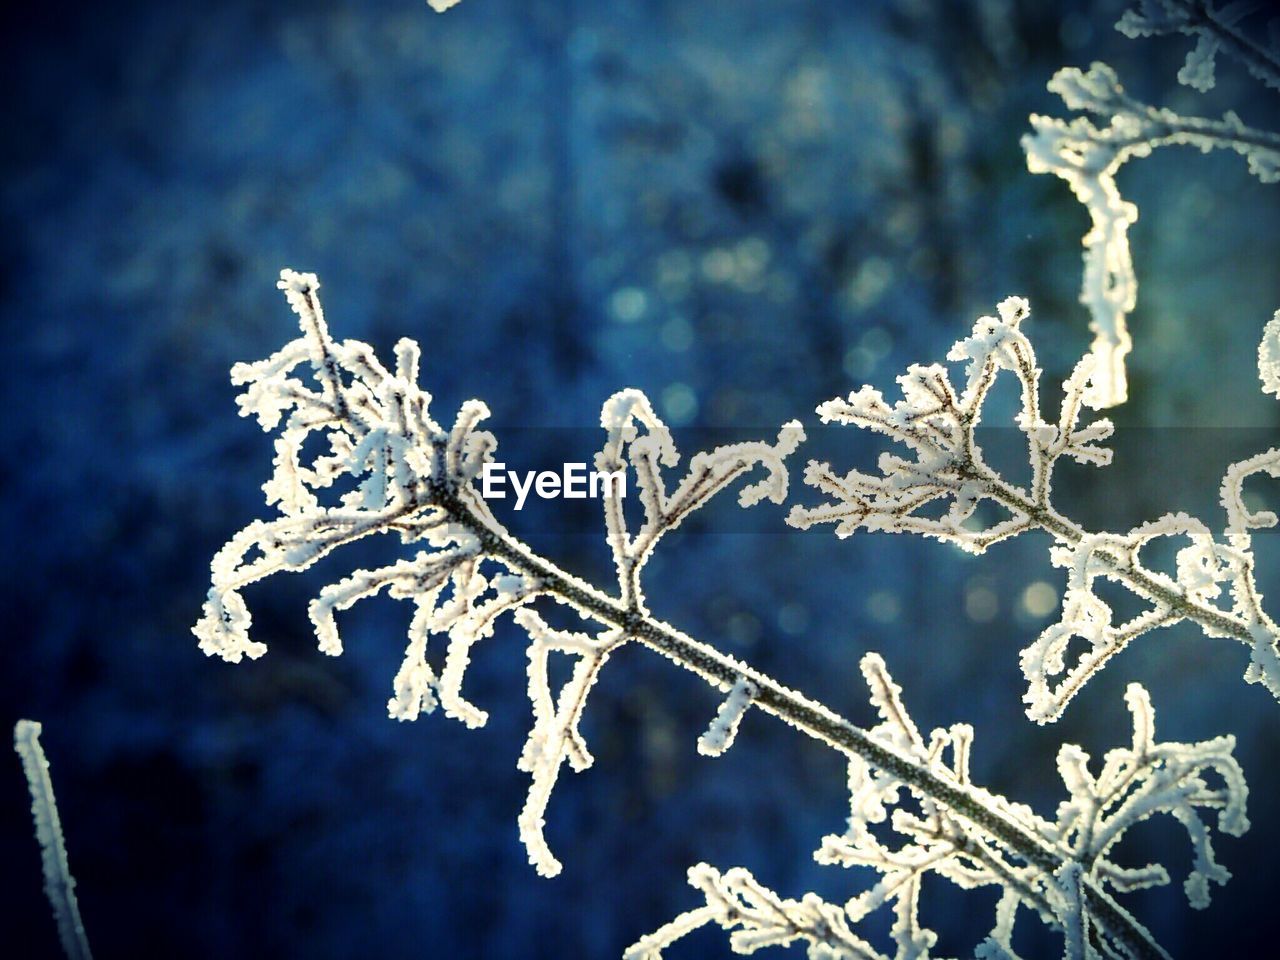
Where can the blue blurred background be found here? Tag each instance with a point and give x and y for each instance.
(741, 208)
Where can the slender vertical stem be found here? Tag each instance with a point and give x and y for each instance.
(59, 885)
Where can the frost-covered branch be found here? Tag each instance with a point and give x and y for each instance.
(735, 899)
(709, 472)
(388, 467)
(59, 885)
(403, 473)
(720, 734)
(1088, 157)
(1214, 28)
(947, 490)
(1135, 783)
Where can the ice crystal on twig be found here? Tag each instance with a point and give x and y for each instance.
(1134, 784)
(1088, 157)
(939, 490)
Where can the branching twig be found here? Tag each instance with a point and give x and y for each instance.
(414, 478)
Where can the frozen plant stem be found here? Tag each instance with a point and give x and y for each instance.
(59, 885)
(415, 478)
(1088, 157)
(1134, 783)
(810, 717)
(1146, 583)
(937, 420)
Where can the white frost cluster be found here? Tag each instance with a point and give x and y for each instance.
(762, 918)
(1269, 357)
(380, 435)
(720, 735)
(387, 467)
(1142, 779)
(1215, 27)
(1087, 157)
(1135, 783)
(940, 491)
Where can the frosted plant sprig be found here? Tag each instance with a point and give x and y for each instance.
(1184, 780)
(1214, 28)
(939, 491)
(401, 472)
(59, 884)
(1088, 157)
(735, 899)
(406, 474)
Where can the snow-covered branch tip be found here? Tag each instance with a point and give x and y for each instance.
(1088, 157)
(902, 846)
(379, 463)
(720, 735)
(59, 885)
(1214, 28)
(948, 491)
(386, 466)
